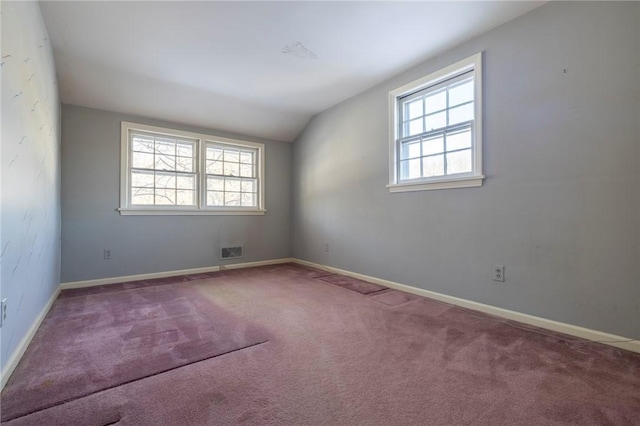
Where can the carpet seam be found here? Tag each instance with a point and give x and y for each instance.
(131, 381)
(377, 293)
(346, 288)
(324, 276)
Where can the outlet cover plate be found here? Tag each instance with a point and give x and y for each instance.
(498, 273)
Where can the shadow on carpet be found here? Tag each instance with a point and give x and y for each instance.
(94, 342)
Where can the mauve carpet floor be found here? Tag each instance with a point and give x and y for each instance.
(288, 345)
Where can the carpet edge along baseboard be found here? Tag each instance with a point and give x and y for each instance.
(620, 342)
(629, 344)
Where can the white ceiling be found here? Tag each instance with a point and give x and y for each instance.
(254, 68)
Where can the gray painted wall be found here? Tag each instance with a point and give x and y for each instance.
(30, 240)
(148, 244)
(560, 207)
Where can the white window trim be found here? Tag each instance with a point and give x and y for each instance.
(201, 207)
(439, 182)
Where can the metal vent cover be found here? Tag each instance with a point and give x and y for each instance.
(230, 252)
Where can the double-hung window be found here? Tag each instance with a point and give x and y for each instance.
(436, 133)
(170, 172)
(231, 175)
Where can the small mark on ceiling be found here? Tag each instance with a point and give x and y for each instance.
(298, 50)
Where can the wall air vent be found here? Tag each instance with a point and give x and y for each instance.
(230, 252)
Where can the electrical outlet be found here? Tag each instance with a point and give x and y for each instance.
(107, 254)
(326, 247)
(498, 273)
(3, 311)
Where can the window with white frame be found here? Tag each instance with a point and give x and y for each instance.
(170, 172)
(436, 130)
(231, 175)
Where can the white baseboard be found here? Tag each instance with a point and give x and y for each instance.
(24, 343)
(254, 264)
(139, 277)
(572, 330)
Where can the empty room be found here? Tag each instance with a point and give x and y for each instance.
(320, 213)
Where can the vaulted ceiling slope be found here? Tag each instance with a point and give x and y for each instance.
(259, 69)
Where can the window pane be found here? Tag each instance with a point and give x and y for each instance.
(413, 127)
(142, 144)
(214, 153)
(186, 182)
(436, 101)
(248, 200)
(248, 185)
(165, 180)
(231, 198)
(435, 121)
(232, 185)
(142, 161)
(142, 196)
(246, 157)
(142, 179)
(459, 140)
(231, 169)
(185, 198)
(459, 162)
(246, 170)
(185, 149)
(165, 162)
(460, 93)
(433, 145)
(215, 183)
(410, 150)
(184, 164)
(215, 198)
(215, 167)
(410, 169)
(165, 196)
(231, 155)
(460, 114)
(414, 109)
(165, 146)
(433, 166)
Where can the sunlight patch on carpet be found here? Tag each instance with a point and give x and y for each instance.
(99, 341)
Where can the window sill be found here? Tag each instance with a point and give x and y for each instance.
(203, 212)
(449, 183)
